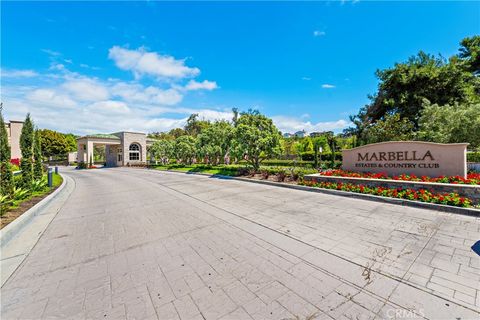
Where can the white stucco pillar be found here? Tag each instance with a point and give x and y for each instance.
(81, 152)
(89, 151)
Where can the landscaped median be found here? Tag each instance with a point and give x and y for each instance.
(459, 193)
(453, 191)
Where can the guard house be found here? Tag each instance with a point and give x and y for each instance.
(121, 148)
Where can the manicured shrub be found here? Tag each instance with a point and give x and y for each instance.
(473, 156)
(265, 173)
(281, 175)
(308, 156)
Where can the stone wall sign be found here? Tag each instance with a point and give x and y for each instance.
(408, 157)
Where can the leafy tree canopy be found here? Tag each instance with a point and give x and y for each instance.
(256, 136)
(451, 123)
(470, 54)
(185, 148)
(54, 143)
(163, 149)
(194, 126)
(403, 88)
(214, 141)
(392, 128)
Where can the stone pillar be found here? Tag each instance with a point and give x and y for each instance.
(81, 152)
(89, 151)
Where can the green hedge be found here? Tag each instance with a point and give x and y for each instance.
(310, 156)
(288, 163)
(473, 156)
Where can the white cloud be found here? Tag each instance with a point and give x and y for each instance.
(57, 67)
(142, 62)
(306, 78)
(151, 95)
(50, 98)
(327, 86)
(292, 124)
(18, 73)
(86, 89)
(318, 33)
(51, 52)
(86, 66)
(204, 85)
(109, 107)
(213, 115)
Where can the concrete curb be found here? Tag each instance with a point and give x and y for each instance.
(13, 228)
(402, 202)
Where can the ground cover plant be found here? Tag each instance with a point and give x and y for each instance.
(29, 184)
(22, 199)
(451, 199)
(472, 178)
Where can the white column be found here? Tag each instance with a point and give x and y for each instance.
(89, 151)
(80, 152)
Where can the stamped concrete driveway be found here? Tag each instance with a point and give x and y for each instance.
(144, 244)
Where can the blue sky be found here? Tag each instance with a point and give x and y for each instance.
(104, 66)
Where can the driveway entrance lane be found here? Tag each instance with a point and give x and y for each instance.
(162, 254)
(405, 243)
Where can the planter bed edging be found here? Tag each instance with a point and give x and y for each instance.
(470, 191)
(403, 202)
(14, 227)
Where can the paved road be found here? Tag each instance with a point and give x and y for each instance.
(144, 244)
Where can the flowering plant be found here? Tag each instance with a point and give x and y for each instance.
(452, 199)
(472, 178)
(15, 162)
(423, 195)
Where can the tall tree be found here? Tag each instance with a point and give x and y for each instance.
(403, 88)
(214, 141)
(177, 132)
(470, 53)
(6, 175)
(451, 124)
(53, 143)
(163, 149)
(185, 148)
(392, 128)
(71, 140)
(319, 142)
(194, 127)
(256, 137)
(37, 156)
(27, 138)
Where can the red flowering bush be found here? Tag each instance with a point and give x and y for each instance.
(15, 161)
(472, 178)
(452, 199)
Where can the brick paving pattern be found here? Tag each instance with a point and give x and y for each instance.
(143, 244)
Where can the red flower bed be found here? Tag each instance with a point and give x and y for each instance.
(452, 199)
(472, 178)
(15, 161)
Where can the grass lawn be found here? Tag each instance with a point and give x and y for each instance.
(57, 180)
(200, 169)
